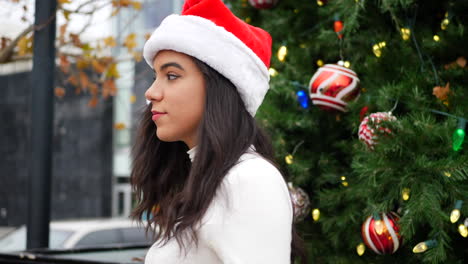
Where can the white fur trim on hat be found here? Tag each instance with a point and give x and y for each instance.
(217, 47)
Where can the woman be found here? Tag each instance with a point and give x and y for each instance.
(203, 169)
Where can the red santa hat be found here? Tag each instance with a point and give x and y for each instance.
(210, 32)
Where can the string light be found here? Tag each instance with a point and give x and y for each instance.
(320, 2)
(436, 38)
(377, 48)
(360, 249)
(248, 20)
(405, 194)
(424, 246)
(282, 52)
(289, 159)
(316, 214)
(459, 135)
(463, 230)
(405, 33)
(455, 214)
(303, 99)
(272, 72)
(445, 22)
(343, 181)
(347, 64)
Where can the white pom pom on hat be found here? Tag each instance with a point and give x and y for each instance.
(210, 32)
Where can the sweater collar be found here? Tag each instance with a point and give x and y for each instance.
(193, 152)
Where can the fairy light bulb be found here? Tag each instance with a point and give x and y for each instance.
(320, 3)
(282, 52)
(289, 159)
(303, 99)
(436, 38)
(343, 181)
(455, 214)
(445, 22)
(405, 33)
(424, 246)
(320, 63)
(316, 214)
(405, 194)
(463, 230)
(360, 249)
(377, 48)
(272, 72)
(459, 135)
(347, 64)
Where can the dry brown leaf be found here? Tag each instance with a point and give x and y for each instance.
(461, 61)
(93, 88)
(24, 46)
(110, 41)
(93, 102)
(59, 92)
(84, 80)
(112, 72)
(73, 80)
(441, 92)
(98, 67)
(81, 64)
(120, 126)
(130, 42)
(75, 39)
(108, 88)
(136, 5)
(64, 64)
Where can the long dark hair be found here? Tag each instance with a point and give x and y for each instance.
(164, 179)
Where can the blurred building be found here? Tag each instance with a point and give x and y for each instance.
(91, 159)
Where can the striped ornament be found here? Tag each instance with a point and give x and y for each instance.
(389, 240)
(263, 4)
(371, 128)
(333, 86)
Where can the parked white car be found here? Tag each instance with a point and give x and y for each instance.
(82, 233)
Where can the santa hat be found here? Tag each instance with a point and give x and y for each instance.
(210, 32)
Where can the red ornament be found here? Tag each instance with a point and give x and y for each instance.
(333, 86)
(263, 4)
(382, 234)
(363, 113)
(338, 27)
(371, 127)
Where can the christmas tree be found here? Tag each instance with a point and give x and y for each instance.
(379, 149)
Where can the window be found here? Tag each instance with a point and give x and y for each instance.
(136, 235)
(100, 238)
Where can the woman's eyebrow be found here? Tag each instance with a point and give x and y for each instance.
(169, 64)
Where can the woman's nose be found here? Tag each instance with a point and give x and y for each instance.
(153, 93)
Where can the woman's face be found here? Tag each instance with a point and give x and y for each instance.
(177, 96)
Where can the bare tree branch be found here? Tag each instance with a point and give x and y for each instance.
(5, 54)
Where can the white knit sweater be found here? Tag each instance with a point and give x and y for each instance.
(252, 226)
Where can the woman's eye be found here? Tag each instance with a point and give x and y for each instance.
(171, 77)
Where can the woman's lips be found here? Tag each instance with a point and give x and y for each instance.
(157, 115)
